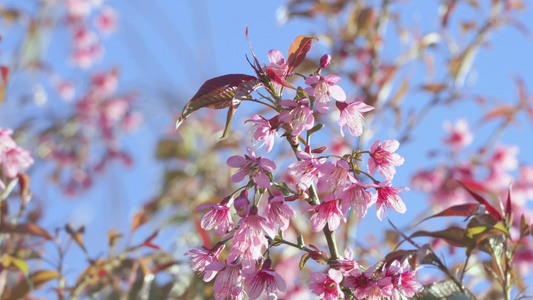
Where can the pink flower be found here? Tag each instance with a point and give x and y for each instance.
(300, 117)
(78, 8)
(202, 257)
(363, 284)
(428, 181)
(264, 130)
(504, 158)
(382, 157)
(228, 284)
(6, 142)
(327, 211)
(322, 88)
(388, 197)
(277, 63)
(106, 21)
(358, 198)
(279, 213)
(327, 284)
(306, 169)
(264, 279)
(255, 167)
(347, 264)
(105, 83)
(218, 216)
(352, 117)
(65, 89)
(14, 159)
(459, 136)
(333, 176)
(398, 282)
(250, 238)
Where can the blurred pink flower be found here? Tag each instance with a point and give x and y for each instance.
(14, 159)
(327, 284)
(352, 117)
(327, 211)
(6, 142)
(504, 158)
(106, 21)
(388, 198)
(322, 88)
(459, 136)
(382, 157)
(255, 167)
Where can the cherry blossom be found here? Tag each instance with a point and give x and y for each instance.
(363, 284)
(383, 158)
(322, 88)
(388, 197)
(329, 284)
(264, 279)
(357, 197)
(218, 216)
(306, 169)
(253, 166)
(459, 136)
(106, 21)
(14, 159)
(264, 130)
(351, 116)
(250, 238)
(325, 60)
(279, 212)
(202, 257)
(327, 211)
(333, 176)
(299, 117)
(228, 283)
(277, 63)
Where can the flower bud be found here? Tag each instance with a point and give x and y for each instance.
(325, 60)
(242, 205)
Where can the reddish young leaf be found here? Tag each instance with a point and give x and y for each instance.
(203, 233)
(463, 210)
(216, 93)
(297, 51)
(275, 77)
(490, 209)
(37, 280)
(76, 235)
(508, 207)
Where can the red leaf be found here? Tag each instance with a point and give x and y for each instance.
(490, 209)
(297, 51)
(508, 207)
(221, 92)
(464, 210)
(275, 77)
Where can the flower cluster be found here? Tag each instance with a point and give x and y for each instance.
(328, 185)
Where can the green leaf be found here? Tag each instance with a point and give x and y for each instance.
(304, 259)
(298, 50)
(300, 240)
